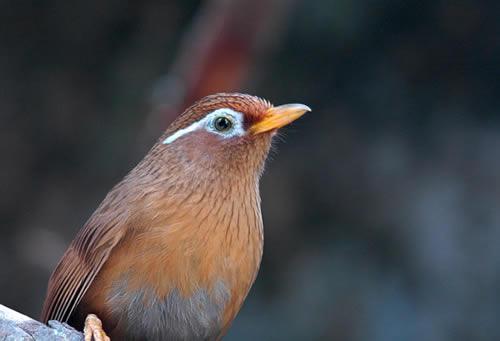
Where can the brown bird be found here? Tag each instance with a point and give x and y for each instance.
(173, 249)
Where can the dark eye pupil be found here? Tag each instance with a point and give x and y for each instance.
(222, 124)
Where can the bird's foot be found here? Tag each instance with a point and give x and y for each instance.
(93, 329)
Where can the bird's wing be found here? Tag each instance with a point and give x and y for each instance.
(83, 260)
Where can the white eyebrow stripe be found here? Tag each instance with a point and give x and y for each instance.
(181, 132)
(237, 130)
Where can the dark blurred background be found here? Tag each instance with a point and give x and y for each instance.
(381, 207)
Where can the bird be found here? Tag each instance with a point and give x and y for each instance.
(174, 248)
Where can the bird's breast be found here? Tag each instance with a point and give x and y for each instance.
(184, 278)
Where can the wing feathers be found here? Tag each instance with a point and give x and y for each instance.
(84, 259)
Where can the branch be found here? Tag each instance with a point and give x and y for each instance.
(16, 326)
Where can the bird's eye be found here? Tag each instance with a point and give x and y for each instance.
(223, 124)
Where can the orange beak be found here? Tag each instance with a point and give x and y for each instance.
(277, 117)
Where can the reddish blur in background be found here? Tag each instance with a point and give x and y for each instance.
(381, 207)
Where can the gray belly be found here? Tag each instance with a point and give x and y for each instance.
(147, 317)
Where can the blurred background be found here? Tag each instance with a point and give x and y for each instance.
(381, 207)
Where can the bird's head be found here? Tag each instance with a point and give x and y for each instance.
(226, 133)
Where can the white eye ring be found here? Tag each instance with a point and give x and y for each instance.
(208, 123)
(234, 118)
